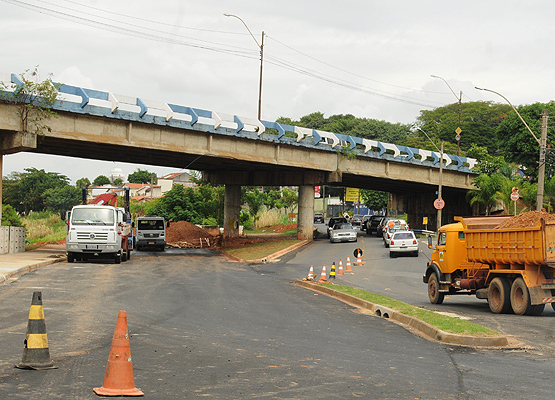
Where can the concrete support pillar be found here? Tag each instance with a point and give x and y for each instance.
(1, 172)
(232, 209)
(305, 220)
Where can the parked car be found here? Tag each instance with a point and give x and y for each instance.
(318, 218)
(403, 242)
(343, 232)
(371, 224)
(356, 220)
(335, 220)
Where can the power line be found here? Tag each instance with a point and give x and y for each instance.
(349, 72)
(162, 36)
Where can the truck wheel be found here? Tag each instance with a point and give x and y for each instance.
(538, 309)
(499, 296)
(117, 258)
(71, 258)
(433, 290)
(520, 297)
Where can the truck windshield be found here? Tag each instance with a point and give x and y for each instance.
(92, 216)
(150, 225)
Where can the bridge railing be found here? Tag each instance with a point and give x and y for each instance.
(95, 102)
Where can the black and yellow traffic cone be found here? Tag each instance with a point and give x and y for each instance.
(332, 272)
(36, 354)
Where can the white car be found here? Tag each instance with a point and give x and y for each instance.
(343, 233)
(403, 242)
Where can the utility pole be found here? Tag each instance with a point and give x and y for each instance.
(440, 187)
(541, 170)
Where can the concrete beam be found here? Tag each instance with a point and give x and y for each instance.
(271, 178)
(14, 142)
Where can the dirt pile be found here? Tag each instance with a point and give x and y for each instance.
(525, 220)
(185, 234)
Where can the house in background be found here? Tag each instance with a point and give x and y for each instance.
(143, 191)
(177, 178)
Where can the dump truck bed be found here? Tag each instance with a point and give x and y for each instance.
(508, 246)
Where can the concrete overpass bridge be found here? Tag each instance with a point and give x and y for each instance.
(238, 151)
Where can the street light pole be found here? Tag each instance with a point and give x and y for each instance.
(459, 99)
(261, 47)
(542, 142)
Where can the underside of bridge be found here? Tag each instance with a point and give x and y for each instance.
(236, 161)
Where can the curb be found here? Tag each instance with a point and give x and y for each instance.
(16, 273)
(269, 257)
(411, 323)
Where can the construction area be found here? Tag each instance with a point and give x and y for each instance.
(183, 234)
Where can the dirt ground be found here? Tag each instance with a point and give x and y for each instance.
(185, 234)
(526, 220)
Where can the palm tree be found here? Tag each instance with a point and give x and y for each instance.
(488, 190)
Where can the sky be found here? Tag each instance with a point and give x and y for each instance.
(369, 58)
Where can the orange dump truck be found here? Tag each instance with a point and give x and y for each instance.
(513, 268)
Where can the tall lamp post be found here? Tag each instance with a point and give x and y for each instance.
(261, 47)
(458, 130)
(542, 142)
(439, 203)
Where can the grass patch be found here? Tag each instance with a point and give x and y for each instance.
(44, 227)
(443, 322)
(260, 250)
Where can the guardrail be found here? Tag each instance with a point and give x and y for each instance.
(94, 102)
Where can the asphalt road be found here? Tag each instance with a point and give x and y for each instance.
(401, 279)
(201, 326)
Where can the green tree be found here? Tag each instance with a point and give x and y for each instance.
(348, 124)
(196, 205)
(83, 182)
(487, 192)
(255, 200)
(517, 144)
(142, 176)
(487, 164)
(287, 200)
(118, 182)
(479, 121)
(62, 199)
(9, 216)
(101, 180)
(26, 190)
(374, 199)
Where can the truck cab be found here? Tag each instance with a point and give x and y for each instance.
(94, 230)
(151, 232)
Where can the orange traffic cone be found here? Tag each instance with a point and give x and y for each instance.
(348, 266)
(340, 269)
(359, 258)
(323, 275)
(311, 273)
(118, 378)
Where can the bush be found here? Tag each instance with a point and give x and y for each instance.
(9, 216)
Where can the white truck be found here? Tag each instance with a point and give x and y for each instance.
(151, 232)
(97, 231)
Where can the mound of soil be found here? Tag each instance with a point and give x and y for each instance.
(525, 220)
(185, 234)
